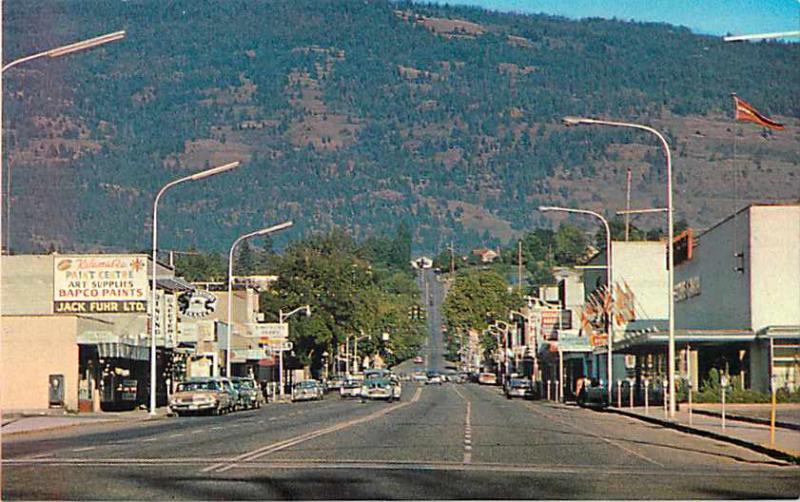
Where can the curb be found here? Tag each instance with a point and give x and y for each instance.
(771, 452)
(752, 420)
(79, 424)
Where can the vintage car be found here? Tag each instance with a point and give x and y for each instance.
(487, 379)
(378, 388)
(202, 395)
(593, 395)
(307, 390)
(519, 387)
(350, 388)
(434, 378)
(249, 393)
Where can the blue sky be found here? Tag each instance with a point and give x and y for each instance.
(713, 17)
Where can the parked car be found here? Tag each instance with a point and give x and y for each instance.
(398, 387)
(487, 379)
(378, 388)
(434, 378)
(594, 395)
(233, 394)
(248, 392)
(335, 383)
(350, 388)
(201, 395)
(307, 390)
(419, 377)
(519, 387)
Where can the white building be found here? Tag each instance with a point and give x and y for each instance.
(740, 287)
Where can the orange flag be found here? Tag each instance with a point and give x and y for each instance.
(744, 111)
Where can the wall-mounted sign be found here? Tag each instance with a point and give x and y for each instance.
(197, 303)
(100, 284)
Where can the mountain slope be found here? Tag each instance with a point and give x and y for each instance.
(364, 114)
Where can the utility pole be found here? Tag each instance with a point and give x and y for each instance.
(519, 266)
(628, 206)
(452, 261)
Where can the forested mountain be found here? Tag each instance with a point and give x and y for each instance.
(365, 114)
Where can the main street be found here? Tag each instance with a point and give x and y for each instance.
(450, 441)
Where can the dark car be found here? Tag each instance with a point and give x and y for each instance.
(519, 387)
(249, 392)
(594, 395)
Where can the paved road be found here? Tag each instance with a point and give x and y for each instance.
(449, 441)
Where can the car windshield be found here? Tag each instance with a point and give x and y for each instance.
(377, 382)
(199, 385)
(243, 384)
(520, 383)
(309, 384)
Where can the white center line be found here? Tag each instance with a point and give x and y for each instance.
(176, 435)
(85, 448)
(467, 429)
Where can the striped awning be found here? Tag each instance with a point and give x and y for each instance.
(114, 350)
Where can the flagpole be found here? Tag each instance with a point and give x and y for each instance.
(735, 130)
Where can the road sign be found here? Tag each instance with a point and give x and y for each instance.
(269, 333)
(283, 347)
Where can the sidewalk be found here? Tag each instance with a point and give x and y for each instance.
(22, 421)
(788, 414)
(751, 435)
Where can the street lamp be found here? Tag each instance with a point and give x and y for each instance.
(194, 177)
(573, 121)
(51, 53)
(609, 326)
(263, 231)
(281, 317)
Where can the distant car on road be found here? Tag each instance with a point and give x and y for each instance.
(307, 390)
(378, 388)
(487, 379)
(434, 378)
(595, 395)
(350, 388)
(249, 395)
(418, 360)
(335, 383)
(201, 395)
(419, 377)
(519, 387)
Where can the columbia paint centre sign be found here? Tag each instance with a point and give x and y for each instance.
(100, 284)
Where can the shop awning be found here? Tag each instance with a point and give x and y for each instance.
(780, 332)
(174, 284)
(683, 336)
(115, 350)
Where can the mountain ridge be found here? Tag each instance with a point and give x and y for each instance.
(363, 115)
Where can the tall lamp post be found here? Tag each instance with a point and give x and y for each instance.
(281, 318)
(574, 121)
(194, 177)
(263, 231)
(609, 326)
(51, 53)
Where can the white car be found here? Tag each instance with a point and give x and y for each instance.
(307, 390)
(350, 388)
